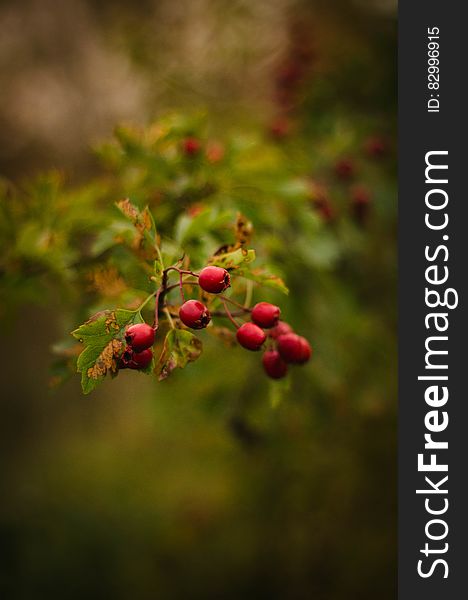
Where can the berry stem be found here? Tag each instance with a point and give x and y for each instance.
(238, 304)
(228, 314)
(220, 313)
(158, 296)
(176, 285)
(181, 271)
(164, 289)
(156, 308)
(181, 287)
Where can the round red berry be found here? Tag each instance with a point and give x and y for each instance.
(375, 147)
(275, 367)
(214, 279)
(136, 360)
(280, 128)
(281, 328)
(294, 348)
(215, 152)
(194, 314)
(141, 360)
(360, 203)
(266, 315)
(191, 146)
(250, 336)
(306, 350)
(345, 168)
(139, 336)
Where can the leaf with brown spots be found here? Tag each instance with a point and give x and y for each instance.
(232, 260)
(180, 348)
(244, 230)
(106, 361)
(103, 337)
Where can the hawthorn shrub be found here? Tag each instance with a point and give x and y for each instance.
(208, 228)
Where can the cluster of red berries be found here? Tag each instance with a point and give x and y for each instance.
(193, 147)
(284, 346)
(360, 197)
(194, 313)
(138, 353)
(291, 348)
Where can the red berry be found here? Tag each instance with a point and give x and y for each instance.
(281, 329)
(214, 279)
(250, 336)
(191, 146)
(136, 360)
(345, 168)
(375, 147)
(274, 365)
(280, 128)
(360, 203)
(289, 74)
(141, 360)
(265, 314)
(194, 314)
(140, 336)
(321, 201)
(215, 152)
(306, 350)
(325, 210)
(294, 348)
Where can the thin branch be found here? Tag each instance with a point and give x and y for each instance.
(229, 315)
(238, 304)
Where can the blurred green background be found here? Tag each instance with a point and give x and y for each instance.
(215, 483)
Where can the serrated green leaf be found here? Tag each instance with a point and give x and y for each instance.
(180, 348)
(231, 260)
(264, 279)
(103, 337)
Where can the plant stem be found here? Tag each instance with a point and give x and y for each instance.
(220, 313)
(181, 271)
(238, 304)
(229, 315)
(181, 287)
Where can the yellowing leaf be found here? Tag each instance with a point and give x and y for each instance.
(231, 260)
(106, 361)
(143, 222)
(180, 348)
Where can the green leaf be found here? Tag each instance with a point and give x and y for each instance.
(231, 260)
(194, 227)
(180, 348)
(103, 337)
(264, 279)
